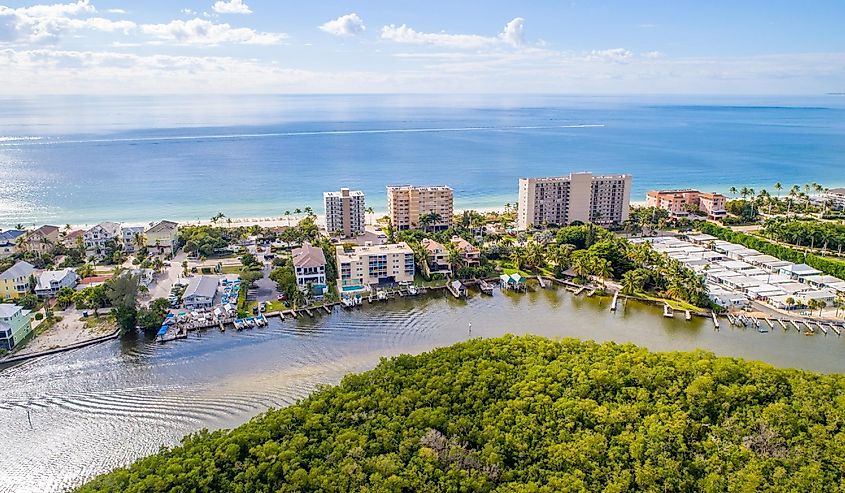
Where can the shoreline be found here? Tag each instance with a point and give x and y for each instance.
(275, 220)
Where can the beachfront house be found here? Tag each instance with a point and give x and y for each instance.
(470, 254)
(98, 238)
(49, 282)
(360, 267)
(129, 237)
(163, 237)
(73, 238)
(15, 325)
(437, 258)
(15, 281)
(42, 240)
(309, 265)
(200, 292)
(9, 242)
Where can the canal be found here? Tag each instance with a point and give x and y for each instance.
(100, 407)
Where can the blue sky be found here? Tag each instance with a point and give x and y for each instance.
(577, 47)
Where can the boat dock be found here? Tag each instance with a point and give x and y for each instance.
(687, 315)
(485, 287)
(715, 320)
(668, 312)
(541, 281)
(615, 300)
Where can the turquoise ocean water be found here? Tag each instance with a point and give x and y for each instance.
(86, 159)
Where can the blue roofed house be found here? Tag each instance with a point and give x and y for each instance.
(15, 325)
(49, 282)
(9, 242)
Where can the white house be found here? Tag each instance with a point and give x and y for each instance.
(200, 292)
(129, 237)
(309, 264)
(51, 281)
(96, 238)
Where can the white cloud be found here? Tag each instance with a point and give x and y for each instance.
(47, 23)
(511, 35)
(231, 7)
(617, 55)
(529, 70)
(187, 11)
(204, 32)
(345, 25)
(407, 35)
(58, 9)
(116, 11)
(652, 54)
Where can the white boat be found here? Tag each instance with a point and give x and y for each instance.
(381, 295)
(413, 290)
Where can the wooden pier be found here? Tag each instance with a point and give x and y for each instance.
(715, 320)
(797, 327)
(327, 309)
(485, 287)
(541, 281)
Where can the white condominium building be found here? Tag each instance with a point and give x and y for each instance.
(562, 200)
(360, 267)
(344, 212)
(414, 207)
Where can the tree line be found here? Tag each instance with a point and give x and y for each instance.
(527, 414)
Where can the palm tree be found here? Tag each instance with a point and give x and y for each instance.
(779, 188)
(732, 191)
(632, 281)
(139, 240)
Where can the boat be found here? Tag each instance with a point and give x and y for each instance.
(668, 312)
(485, 287)
(687, 315)
(381, 295)
(413, 290)
(762, 329)
(347, 302)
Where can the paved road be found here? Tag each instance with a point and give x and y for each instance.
(265, 287)
(166, 278)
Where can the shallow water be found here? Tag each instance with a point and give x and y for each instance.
(104, 406)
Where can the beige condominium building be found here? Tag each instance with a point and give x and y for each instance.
(344, 212)
(562, 200)
(408, 207)
(360, 267)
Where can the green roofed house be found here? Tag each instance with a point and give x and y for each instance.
(15, 325)
(513, 281)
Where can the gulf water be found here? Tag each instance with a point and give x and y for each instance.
(81, 160)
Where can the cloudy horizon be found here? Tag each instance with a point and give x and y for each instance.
(248, 46)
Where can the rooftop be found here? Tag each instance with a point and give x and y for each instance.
(49, 276)
(163, 227)
(20, 269)
(10, 235)
(308, 256)
(205, 286)
(8, 310)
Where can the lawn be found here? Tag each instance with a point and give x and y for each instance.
(676, 305)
